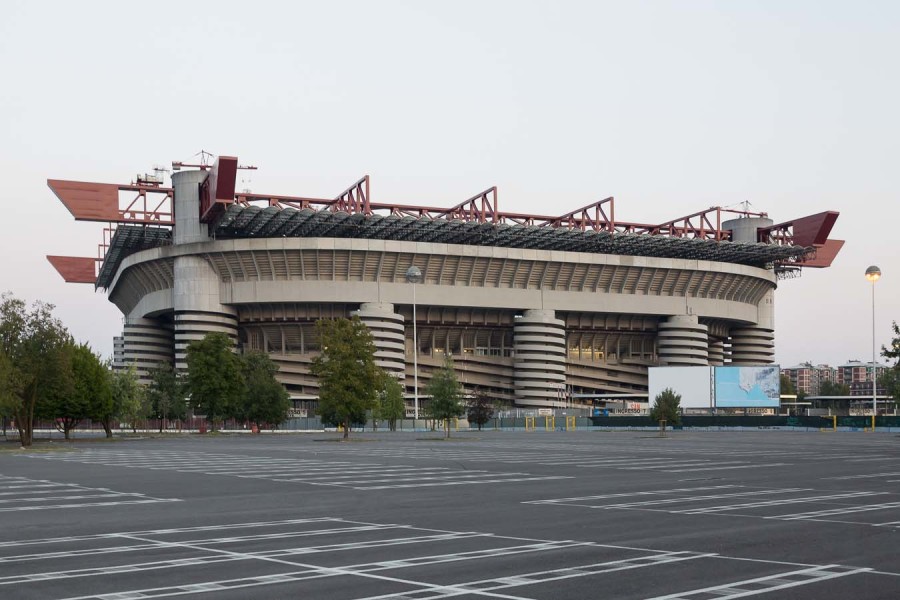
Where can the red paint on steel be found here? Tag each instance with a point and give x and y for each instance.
(91, 201)
(825, 255)
(75, 269)
(88, 201)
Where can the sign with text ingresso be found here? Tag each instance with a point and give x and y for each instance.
(719, 387)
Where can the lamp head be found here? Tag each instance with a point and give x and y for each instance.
(873, 274)
(413, 274)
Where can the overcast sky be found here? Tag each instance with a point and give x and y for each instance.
(671, 107)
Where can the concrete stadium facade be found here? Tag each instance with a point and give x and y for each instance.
(533, 326)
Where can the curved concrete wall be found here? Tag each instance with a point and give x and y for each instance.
(148, 343)
(366, 271)
(202, 286)
(540, 358)
(389, 335)
(683, 342)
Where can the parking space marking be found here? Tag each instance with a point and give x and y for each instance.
(354, 475)
(24, 494)
(767, 503)
(681, 462)
(764, 585)
(865, 476)
(407, 555)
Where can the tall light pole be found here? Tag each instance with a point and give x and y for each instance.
(414, 276)
(873, 274)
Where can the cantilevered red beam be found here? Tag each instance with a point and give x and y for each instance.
(824, 256)
(811, 230)
(91, 201)
(74, 269)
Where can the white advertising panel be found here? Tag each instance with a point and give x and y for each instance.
(694, 384)
(745, 387)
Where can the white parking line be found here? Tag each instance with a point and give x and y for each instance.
(769, 583)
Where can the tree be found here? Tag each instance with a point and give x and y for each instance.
(60, 403)
(390, 401)
(35, 363)
(90, 393)
(130, 397)
(165, 394)
(129, 400)
(890, 383)
(105, 406)
(214, 376)
(346, 370)
(893, 353)
(264, 399)
(446, 395)
(667, 406)
(787, 386)
(480, 409)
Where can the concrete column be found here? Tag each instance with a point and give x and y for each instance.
(752, 345)
(540, 358)
(388, 330)
(188, 228)
(745, 229)
(755, 344)
(683, 341)
(197, 307)
(716, 350)
(147, 344)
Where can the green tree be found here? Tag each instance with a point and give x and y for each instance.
(890, 382)
(346, 370)
(391, 406)
(264, 400)
(165, 394)
(104, 405)
(35, 361)
(214, 376)
(446, 395)
(787, 386)
(61, 404)
(667, 406)
(129, 397)
(90, 390)
(893, 353)
(480, 409)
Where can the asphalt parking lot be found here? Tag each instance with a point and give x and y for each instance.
(524, 515)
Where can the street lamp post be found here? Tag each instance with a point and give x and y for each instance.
(873, 274)
(414, 276)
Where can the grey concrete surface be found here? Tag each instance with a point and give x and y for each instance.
(538, 515)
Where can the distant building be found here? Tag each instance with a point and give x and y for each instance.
(856, 375)
(808, 378)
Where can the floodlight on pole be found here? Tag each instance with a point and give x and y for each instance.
(414, 276)
(873, 274)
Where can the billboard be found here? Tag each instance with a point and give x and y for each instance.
(746, 387)
(692, 383)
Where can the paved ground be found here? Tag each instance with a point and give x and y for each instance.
(542, 515)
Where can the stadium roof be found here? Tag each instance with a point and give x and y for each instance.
(241, 222)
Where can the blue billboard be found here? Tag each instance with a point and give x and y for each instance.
(747, 387)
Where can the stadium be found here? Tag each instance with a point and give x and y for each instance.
(536, 310)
